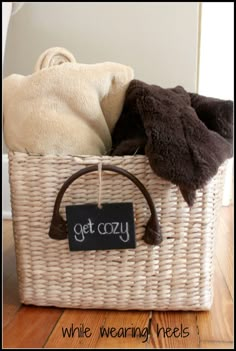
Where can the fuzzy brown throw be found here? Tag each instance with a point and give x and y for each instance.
(185, 136)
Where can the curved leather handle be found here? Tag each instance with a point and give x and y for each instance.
(58, 228)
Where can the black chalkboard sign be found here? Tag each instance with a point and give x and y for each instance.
(92, 228)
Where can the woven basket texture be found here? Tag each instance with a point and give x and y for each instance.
(177, 275)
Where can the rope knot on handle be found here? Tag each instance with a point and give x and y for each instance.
(58, 228)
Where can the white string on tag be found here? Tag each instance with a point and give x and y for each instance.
(100, 185)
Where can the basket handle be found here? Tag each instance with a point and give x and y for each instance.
(58, 228)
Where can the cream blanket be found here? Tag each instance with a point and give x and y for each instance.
(68, 109)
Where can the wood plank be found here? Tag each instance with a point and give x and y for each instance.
(172, 320)
(7, 227)
(91, 319)
(11, 302)
(94, 320)
(9, 260)
(217, 324)
(216, 345)
(224, 245)
(30, 327)
(136, 337)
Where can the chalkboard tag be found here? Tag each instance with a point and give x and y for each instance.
(106, 228)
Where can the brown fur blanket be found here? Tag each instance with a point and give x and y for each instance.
(185, 136)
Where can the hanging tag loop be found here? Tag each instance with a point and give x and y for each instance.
(100, 185)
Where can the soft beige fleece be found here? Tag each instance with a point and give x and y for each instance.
(69, 109)
(52, 57)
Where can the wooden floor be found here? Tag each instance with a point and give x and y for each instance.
(41, 327)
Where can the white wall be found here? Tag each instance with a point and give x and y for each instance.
(216, 70)
(159, 40)
(6, 205)
(7, 11)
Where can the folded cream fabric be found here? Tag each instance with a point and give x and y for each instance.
(66, 109)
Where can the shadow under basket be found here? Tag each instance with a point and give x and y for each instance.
(175, 275)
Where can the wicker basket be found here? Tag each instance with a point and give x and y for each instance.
(177, 275)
